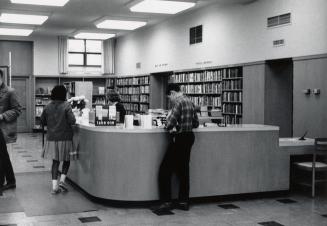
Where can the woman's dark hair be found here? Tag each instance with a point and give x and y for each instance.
(172, 87)
(58, 93)
(113, 96)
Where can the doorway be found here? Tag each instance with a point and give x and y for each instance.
(279, 95)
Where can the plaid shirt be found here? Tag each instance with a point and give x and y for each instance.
(183, 116)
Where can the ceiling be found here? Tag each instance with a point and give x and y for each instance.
(79, 15)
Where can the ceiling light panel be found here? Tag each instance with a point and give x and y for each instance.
(15, 32)
(120, 24)
(41, 2)
(22, 19)
(98, 36)
(164, 7)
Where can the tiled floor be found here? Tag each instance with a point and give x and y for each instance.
(295, 210)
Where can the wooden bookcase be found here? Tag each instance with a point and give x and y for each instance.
(44, 84)
(232, 95)
(134, 92)
(218, 88)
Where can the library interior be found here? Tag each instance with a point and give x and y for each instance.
(253, 72)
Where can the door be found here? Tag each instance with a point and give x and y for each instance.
(22, 87)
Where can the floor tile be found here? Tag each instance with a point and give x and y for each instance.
(229, 206)
(286, 201)
(270, 223)
(89, 219)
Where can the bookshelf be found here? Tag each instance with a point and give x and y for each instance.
(44, 84)
(232, 92)
(218, 88)
(203, 87)
(134, 92)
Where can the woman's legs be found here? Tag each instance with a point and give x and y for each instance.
(64, 171)
(54, 172)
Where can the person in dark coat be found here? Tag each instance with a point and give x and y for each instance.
(10, 109)
(180, 122)
(3, 158)
(114, 100)
(58, 117)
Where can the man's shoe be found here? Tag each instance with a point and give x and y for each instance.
(182, 206)
(9, 186)
(166, 206)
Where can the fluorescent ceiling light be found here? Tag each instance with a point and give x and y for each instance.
(120, 24)
(15, 31)
(22, 19)
(165, 7)
(101, 36)
(41, 2)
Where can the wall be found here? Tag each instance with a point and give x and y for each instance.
(46, 55)
(231, 34)
(45, 51)
(309, 111)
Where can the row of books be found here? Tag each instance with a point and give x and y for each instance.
(43, 100)
(133, 90)
(144, 107)
(131, 107)
(135, 98)
(230, 119)
(206, 75)
(232, 84)
(232, 96)
(233, 72)
(111, 82)
(38, 111)
(232, 108)
(141, 80)
(201, 76)
(206, 100)
(202, 88)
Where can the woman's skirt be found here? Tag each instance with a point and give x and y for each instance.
(59, 150)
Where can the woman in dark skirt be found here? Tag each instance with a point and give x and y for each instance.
(59, 118)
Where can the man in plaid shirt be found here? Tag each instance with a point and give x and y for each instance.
(180, 122)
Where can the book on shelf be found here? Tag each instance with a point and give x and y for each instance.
(38, 111)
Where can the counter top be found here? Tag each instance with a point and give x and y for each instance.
(294, 141)
(137, 129)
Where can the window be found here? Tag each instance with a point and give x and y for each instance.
(196, 34)
(84, 53)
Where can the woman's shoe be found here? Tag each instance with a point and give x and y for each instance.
(55, 191)
(63, 186)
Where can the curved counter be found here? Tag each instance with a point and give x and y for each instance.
(122, 164)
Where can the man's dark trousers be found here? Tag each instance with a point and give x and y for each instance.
(6, 170)
(176, 160)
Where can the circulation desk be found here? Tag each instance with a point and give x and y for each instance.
(122, 164)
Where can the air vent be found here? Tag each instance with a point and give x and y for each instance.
(196, 34)
(279, 42)
(279, 20)
(138, 65)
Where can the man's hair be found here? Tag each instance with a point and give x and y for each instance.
(58, 93)
(1, 73)
(173, 87)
